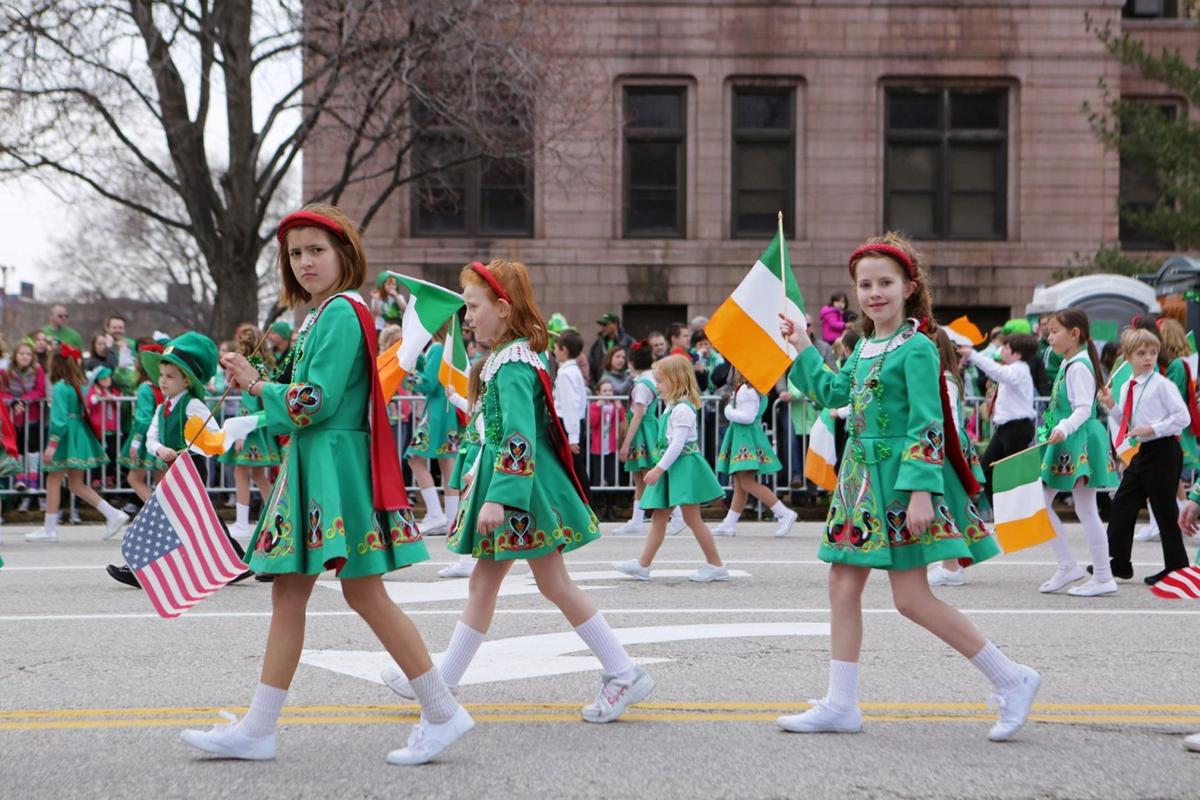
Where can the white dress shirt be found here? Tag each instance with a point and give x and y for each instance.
(1156, 402)
(570, 398)
(744, 408)
(195, 408)
(1014, 388)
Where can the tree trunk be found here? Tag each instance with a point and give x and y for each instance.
(236, 298)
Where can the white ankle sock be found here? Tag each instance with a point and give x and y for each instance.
(731, 518)
(433, 506)
(105, 508)
(451, 505)
(639, 516)
(1062, 550)
(464, 643)
(843, 685)
(51, 523)
(998, 668)
(599, 637)
(779, 509)
(243, 514)
(437, 703)
(263, 716)
(1094, 532)
(466, 558)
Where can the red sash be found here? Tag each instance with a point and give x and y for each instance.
(8, 431)
(558, 436)
(83, 412)
(387, 480)
(953, 447)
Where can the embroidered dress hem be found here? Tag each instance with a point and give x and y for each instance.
(745, 448)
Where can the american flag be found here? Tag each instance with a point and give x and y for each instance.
(176, 545)
(1181, 584)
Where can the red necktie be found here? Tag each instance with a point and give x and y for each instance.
(1127, 414)
(166, 408)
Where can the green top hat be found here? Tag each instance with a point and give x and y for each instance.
(283, 328)
(556, 324)
(193, 353)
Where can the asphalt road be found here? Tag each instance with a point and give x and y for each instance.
(94, 687)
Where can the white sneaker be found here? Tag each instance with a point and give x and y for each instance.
(395, 680)
(630, 528)
(617, 695)
(1094, 588)
(459, 569)
(940, 576)
(24, 505)
(633, 569)
(676, 526)
(435, 526)
(1147, 533)
(226, 740)
(428, 739)
(1061, 578)
(130, 508)
(114, 525)
(1192, 742)
(786, 522)
(75, 519)
(241, 530)
(823, 718)
(709, 573)
(725, 530)
(1014, 705)
(41, 535)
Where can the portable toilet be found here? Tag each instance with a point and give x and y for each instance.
(1110, 301)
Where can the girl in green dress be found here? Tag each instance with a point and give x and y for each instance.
(339, 500)
(681, 477)
(746, 453)
(436, 438)
(461, 475)
(252, 456)
(524, 502)
(1079, 455)
(74, 446)
(890, 509)
(639, 446)
(133, 455)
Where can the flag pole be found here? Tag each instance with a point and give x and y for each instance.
(782, 274)
(213, 409)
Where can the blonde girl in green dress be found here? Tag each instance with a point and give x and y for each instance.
(339, 500)
(681, 477)
(257, 453)
(524, 502)
(1079, 457)
(74, 447)
(890, 509)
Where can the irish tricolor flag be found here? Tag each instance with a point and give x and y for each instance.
(429, 306)
(745, 329)
(1021, 517)
(455, 364)
(821, 459)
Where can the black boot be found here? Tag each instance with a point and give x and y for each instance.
(123, 574)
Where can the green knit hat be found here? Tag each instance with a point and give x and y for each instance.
(383, 278)
(283, 328)
(193, 353)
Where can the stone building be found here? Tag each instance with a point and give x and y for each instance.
(960, 123)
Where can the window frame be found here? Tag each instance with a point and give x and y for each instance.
(739, 136)
(944, 137)
(632, 134)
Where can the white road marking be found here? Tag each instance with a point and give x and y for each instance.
(544, 654)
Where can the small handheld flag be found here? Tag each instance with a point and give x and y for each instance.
(1020, 508)
(1182, 584)
(968, 330)
(429, 306)
(821, 457)
(176, 546)
(455, 364)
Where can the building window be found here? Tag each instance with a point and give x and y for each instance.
(764, 160)
(1140, 191)
(655, 160)
(465, 194)
(1151, 9)
(945, 166)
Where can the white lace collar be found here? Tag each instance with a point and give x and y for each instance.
(872, 348)
(518, 350)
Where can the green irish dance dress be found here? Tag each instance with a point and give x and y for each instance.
(77, 447)
(688, 479)
(321, 513)
(145, 405)
(521, 467)
(643, 448)
(259, 448)
(1178, 373)
(469, 451)
(745, 447)
(438, 433)
(895, 447)
(1087, 452)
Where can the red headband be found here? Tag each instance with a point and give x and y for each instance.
(67, 351)
(150, 348)
(894, 252)
(308, 219)
(487, 275)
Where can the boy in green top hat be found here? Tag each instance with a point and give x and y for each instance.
(181, 371)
